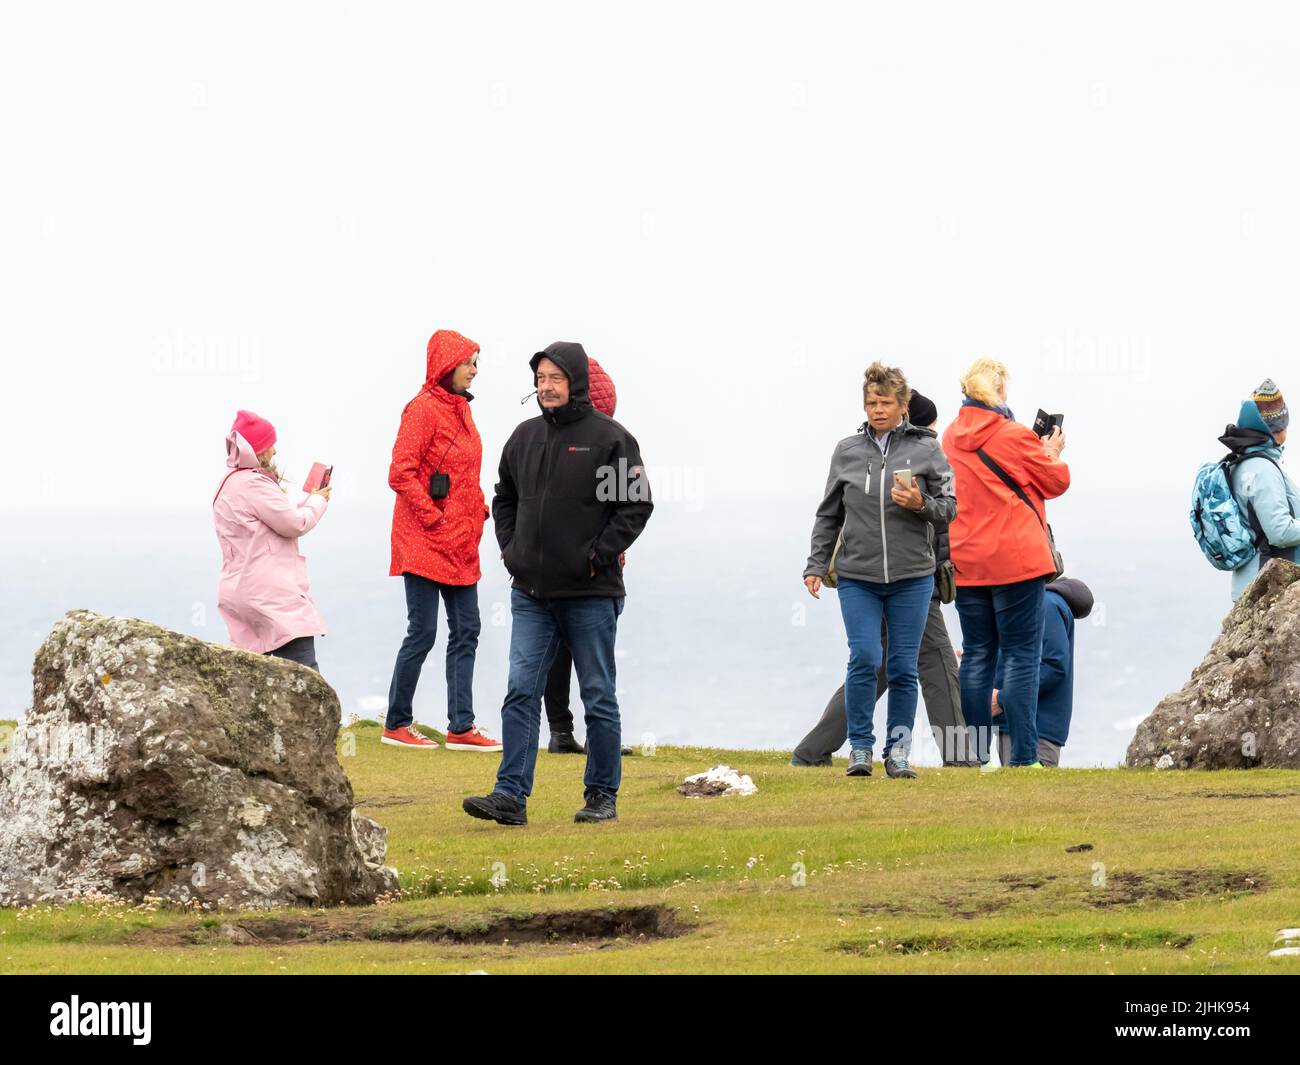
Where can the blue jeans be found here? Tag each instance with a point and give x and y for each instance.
(1006, 618)
(538, 626)
(421, 630)
(905, 606)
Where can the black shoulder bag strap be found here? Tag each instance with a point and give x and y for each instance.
(1010, 482)
(439, 482)
(1265, 549)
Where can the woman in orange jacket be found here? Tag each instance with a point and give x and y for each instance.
(1001, 554)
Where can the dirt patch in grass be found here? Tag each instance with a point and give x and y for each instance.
(387, 800)
(1174, 885)
(1146, 938)
(633, 924)
(981, 900)
(1047, 893)
(966, 907)
(1243, 794)
(890, 909)
(703, 789)
(1019, 882)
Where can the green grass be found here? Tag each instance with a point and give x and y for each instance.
(957, 871)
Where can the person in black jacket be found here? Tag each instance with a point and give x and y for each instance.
(571, 497)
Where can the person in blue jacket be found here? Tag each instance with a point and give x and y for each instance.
(1268, 498)
(1065, 601)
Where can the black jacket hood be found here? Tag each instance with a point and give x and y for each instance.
(572, 359)
(1236, 439)
(1077, 595)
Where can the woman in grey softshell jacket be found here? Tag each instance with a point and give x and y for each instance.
(888, 485)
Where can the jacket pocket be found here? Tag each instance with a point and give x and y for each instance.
(507, 555)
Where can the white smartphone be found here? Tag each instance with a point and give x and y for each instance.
(904, 478)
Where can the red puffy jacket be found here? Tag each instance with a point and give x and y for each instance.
(995, 539)
(438, 539)
(600, 387)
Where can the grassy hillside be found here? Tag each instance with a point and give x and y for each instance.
(955, 872)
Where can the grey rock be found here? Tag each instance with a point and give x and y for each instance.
(153, 764)
(1241, 707)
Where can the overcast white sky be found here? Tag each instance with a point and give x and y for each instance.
(734, 206)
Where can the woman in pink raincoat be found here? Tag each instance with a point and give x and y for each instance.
(264, 596)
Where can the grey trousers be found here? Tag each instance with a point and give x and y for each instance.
(302, 650)
(1049, 753)
(940, 689)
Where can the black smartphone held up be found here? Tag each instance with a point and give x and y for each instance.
(325, 481)
(1045, 423)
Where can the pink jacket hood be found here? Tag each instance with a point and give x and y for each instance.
(263, 595)
(239, 453)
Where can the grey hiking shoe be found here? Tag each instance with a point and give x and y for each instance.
(898, 767)
(859, 763)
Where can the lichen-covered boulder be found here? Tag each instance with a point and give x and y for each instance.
(152, 764)
(1241, 706)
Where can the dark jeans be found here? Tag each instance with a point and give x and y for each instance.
(421, 630)
(588, 625)
(558, 715)
(1006, 618)
(905, 606)
(302, 650)
(940, 689)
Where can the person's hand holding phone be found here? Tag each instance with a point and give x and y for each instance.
(1054, 442)
(814, 586)
(324, 493)
(906, 492)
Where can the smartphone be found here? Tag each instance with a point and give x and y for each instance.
(1045, 423)
(904, 478)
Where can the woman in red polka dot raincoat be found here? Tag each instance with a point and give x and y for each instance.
(438, 520)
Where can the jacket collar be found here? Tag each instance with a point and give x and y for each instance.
(902, 428)
(568, 414)
(1004, 411)
(440, 393)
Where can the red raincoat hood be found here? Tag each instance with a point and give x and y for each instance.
(447, 350)
(974, 427)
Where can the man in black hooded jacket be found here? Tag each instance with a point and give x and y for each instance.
(571, 497)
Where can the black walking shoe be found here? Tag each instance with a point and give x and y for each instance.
(859, 763)
(600, 807)
(897, 765)
(496, 807)
(565, 743)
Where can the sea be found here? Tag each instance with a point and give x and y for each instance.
(719, 644)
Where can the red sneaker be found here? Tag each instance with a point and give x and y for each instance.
(406, 736)
(473, 740)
